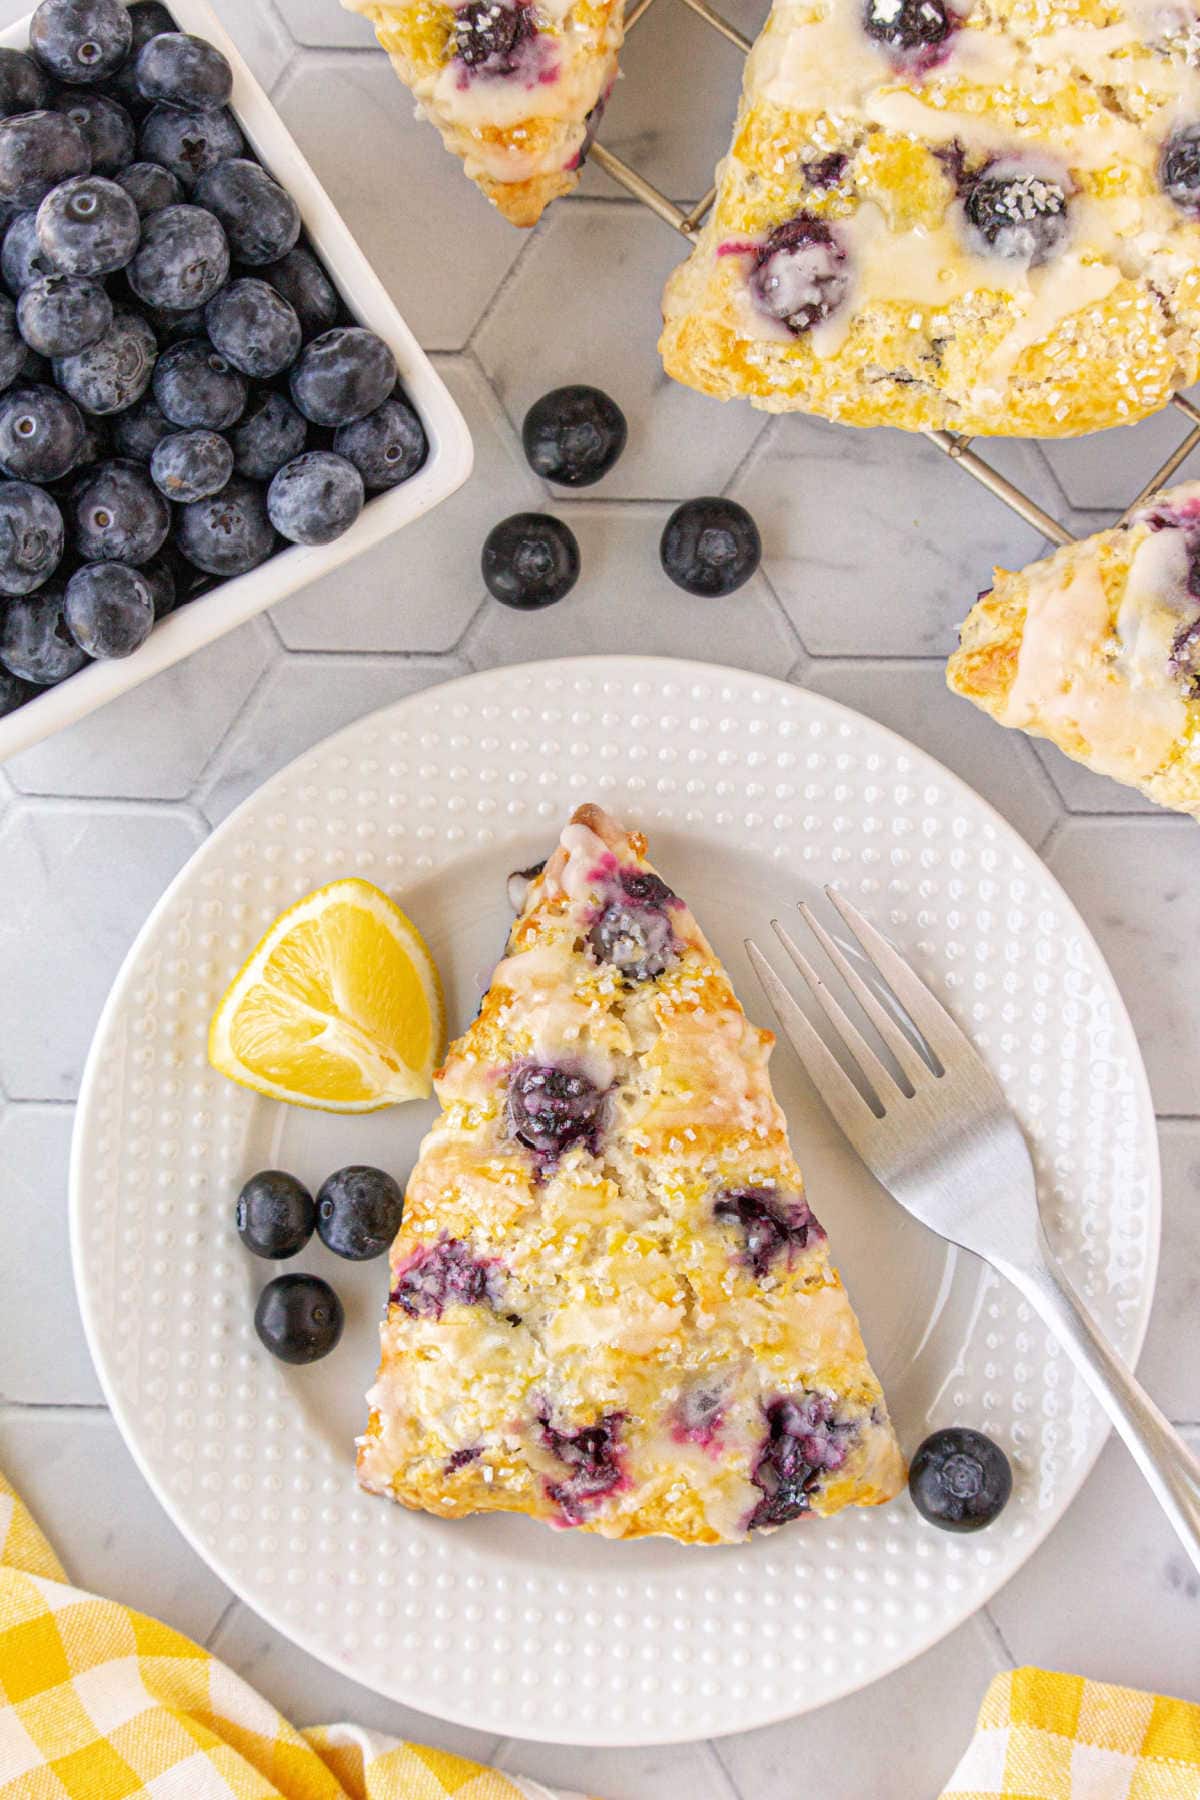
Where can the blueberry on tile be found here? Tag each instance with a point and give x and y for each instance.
(530, 560)
(574, 435)
(710, 547)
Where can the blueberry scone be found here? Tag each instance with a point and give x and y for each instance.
(1098, 649)
(983, 217)
(611, 1306)
(516, 87)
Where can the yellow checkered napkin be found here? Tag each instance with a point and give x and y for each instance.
(100, 1703)
(1058, 1737)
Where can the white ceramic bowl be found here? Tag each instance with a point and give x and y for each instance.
(447, 466)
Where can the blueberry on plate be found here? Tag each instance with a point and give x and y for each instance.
(108, 128)
(114, 372)
(710, 546)
(80, 41)
(574, 435)
(359, 1211)
(118, 515)
(88, 226)
(387, 447)
(177, 69)
(191, 466)
(14, 692)
(316, 498)
(32, 537)
(24, 88)
(60, 315)
(197, 389)
(261, 220)
(254, 328)
(12, 344)
(275, 1214)
(960, 1480)
(150, 187)
(37, 151)
(343, 375)
(298, 1318)
(302, 281)
(137, 430)
(530, 560)
(182, 260)
(109, 609)
(189, 143)
(22, 261)
(41, 434)
(35, 641)
(228, 534)
(269, 434)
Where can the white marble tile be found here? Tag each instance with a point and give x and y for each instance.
(76, 884)
(259, 33)
(875, 546)
(419, 591)
(322, 22)
(583, 306)
(1134, 880)
(623, 602)
(108, 1529)
(1106, 469)
(667, 1773)
(1170, 1363)
(302, 700)
(437, 245)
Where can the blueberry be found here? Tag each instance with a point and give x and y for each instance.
(633, 932)
(12, 344)
(960, 1480)
(387, 447)
(593, 1456)
(41, 434)
(110, 132)
(96, 446)
(113, 373)
(37, 151)
(530, 560)
(254, 328)
(35, 643)
(799, 275)
(1179, 167)
(80, 41)
(770, 1225)
(228, 534)
(22, 261)
(147, 18)
(298, 1318)
(316, 498)
(302, 281)
(343, 375)
(88, 226)
(177, 69)
(137, 430)
(175, 327)
(191, 465)
(489, 33)
(269, 434)
(275, 1214)
(574, 435)
(159, 576)
(359, 1211)
(261, 220)
(14, 692)
(150, 187)
(804, 1440)
(60, 315)
(197, 389)
(549, 1109)
(109, 609)
(189, 143)
(24, 88)
(440, 1275)
(906, 24)
(710, 546)
(182, 261)
(118, 515)
(32, 536)
(1019, 215)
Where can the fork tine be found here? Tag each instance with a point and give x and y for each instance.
(926, 1012)
(881, 1080)
(897, 1040)
(825, 1072)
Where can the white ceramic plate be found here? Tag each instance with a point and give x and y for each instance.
(754, 793)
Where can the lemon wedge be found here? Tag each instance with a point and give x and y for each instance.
(339, 1007)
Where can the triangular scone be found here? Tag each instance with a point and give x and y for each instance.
(610, 1304)
(937, 213)
(516, 87)
(1098, 649)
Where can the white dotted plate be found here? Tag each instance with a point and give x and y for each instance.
(754, 794)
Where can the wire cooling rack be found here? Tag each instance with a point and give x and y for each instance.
(950, 443)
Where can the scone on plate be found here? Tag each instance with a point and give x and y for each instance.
(980, 217)
(516, 87)
(611, 1306)
(1098, 649)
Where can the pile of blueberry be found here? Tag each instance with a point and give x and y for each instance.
(180, 389)
(356, 1214)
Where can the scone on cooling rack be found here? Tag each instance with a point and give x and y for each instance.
(1098, 649)
(611, 1306)
(981, 217)
(516, 87)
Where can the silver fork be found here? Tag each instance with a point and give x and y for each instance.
(943, 1140)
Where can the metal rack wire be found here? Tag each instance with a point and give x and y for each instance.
(950, 443)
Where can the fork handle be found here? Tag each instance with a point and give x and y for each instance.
(1170, 1468)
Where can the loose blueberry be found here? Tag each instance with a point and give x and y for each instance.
(275, 1214)
(574, 435)
(770, 1225)
(110, 132)
(197, 389)
(229, 534)
(800, 275)
(137, 430)
(550, 1109)
(1017, 214)
(1179, 168)
(14, 692)
(32, 537)
(530, 560)
(180, 70)
(60, 315)
(88, 226)
(261, 220)
(109, 609)
(114, 372)
(35, 643)
(189, 143)
(804, 1440)
(359, 1211)
(254, 328)
(150, 187)
(906, 24)
(440, 1275)
(118, 515)
(41, 434)
(22, 261)
(12, 343)
(593, 1455)
(298, 1318)
(182, 261)
(387, 447)
(24, 88)
(37, 151)
(342, 376)
(960, 1480)
(488, 34)
(80, 41)
(269, 434)
(302, 281)
(191, 466)
(710, 547)
(316, 498)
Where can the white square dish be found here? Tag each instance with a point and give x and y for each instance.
(446, 468)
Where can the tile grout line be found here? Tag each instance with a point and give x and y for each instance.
(227, 1612)
(725, 1776)
(1001, 1641)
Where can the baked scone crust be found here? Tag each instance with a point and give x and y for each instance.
(630, 1323)
(1098, 649)
(1092, 320)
